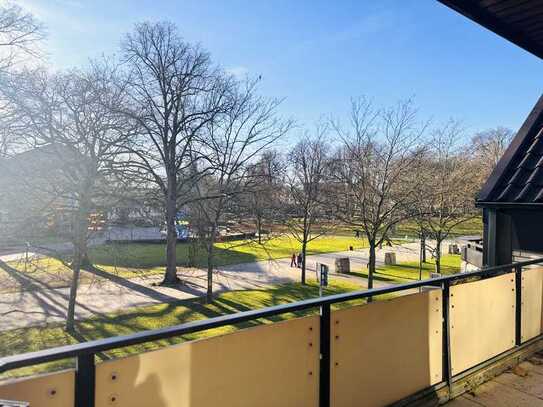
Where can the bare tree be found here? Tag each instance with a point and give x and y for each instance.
(447, 193)
(375, 170)
(306, 218)
(174, 94)
(488, 147)
(228, 148)
(64, 117)
(20, 33)
(263, 202)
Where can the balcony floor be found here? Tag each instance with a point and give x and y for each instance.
(521, 387)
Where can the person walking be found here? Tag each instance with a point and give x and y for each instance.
(300, 259)
(293, 260)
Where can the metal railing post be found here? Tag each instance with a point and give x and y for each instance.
(447, 368)
(324, 377)
(85, 381)
(518, 305)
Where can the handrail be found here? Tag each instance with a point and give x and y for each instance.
(100, 345)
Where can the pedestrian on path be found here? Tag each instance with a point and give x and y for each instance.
(300, 259)
(293, 260)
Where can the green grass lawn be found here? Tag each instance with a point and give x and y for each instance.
(409, 271)
(471, 227)
(139, 259)
(238, 251)
(150, 317)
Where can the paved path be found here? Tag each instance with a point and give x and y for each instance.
(110, 293)
(521, 387)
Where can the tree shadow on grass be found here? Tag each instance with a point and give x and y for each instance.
(145, 255)
(402, 269)
(184, 311)
(191, 284)
(50, 301)
(139, 288)
(377, 276)
(175, 313)
(227, 256)
(178, 312)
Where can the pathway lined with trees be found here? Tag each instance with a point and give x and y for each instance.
(161, 135)
(112, 293)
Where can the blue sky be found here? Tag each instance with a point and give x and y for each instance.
(319, 54)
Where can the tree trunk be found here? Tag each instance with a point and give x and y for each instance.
(79, 254)
(84, 250)
(421, 255)
(76, 268)
(209, 294)
(423, 247)
(259, 229)
(210, 253)
(438, 256)
(304, 249)
(170, 276)
(371, 267)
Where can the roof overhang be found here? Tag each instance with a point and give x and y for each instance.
(519, 21)
(531, 126)
(508, 205)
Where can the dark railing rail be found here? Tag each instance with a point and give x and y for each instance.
(85, 352)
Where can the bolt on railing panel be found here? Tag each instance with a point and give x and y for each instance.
(532, 303)
(386, 350)
(267, 365)
(48, 390)
(482, 320)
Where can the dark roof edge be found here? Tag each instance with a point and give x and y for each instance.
(475, 12)
(534, 118)
(518, 205)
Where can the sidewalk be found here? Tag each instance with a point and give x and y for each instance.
(110, 293)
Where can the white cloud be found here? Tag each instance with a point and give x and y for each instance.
(45, 7)
(238, 72)
(59, 14)
(71, 3)
(36, 8)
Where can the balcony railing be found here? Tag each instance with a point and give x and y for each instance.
(472, 253)
(373, 354)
